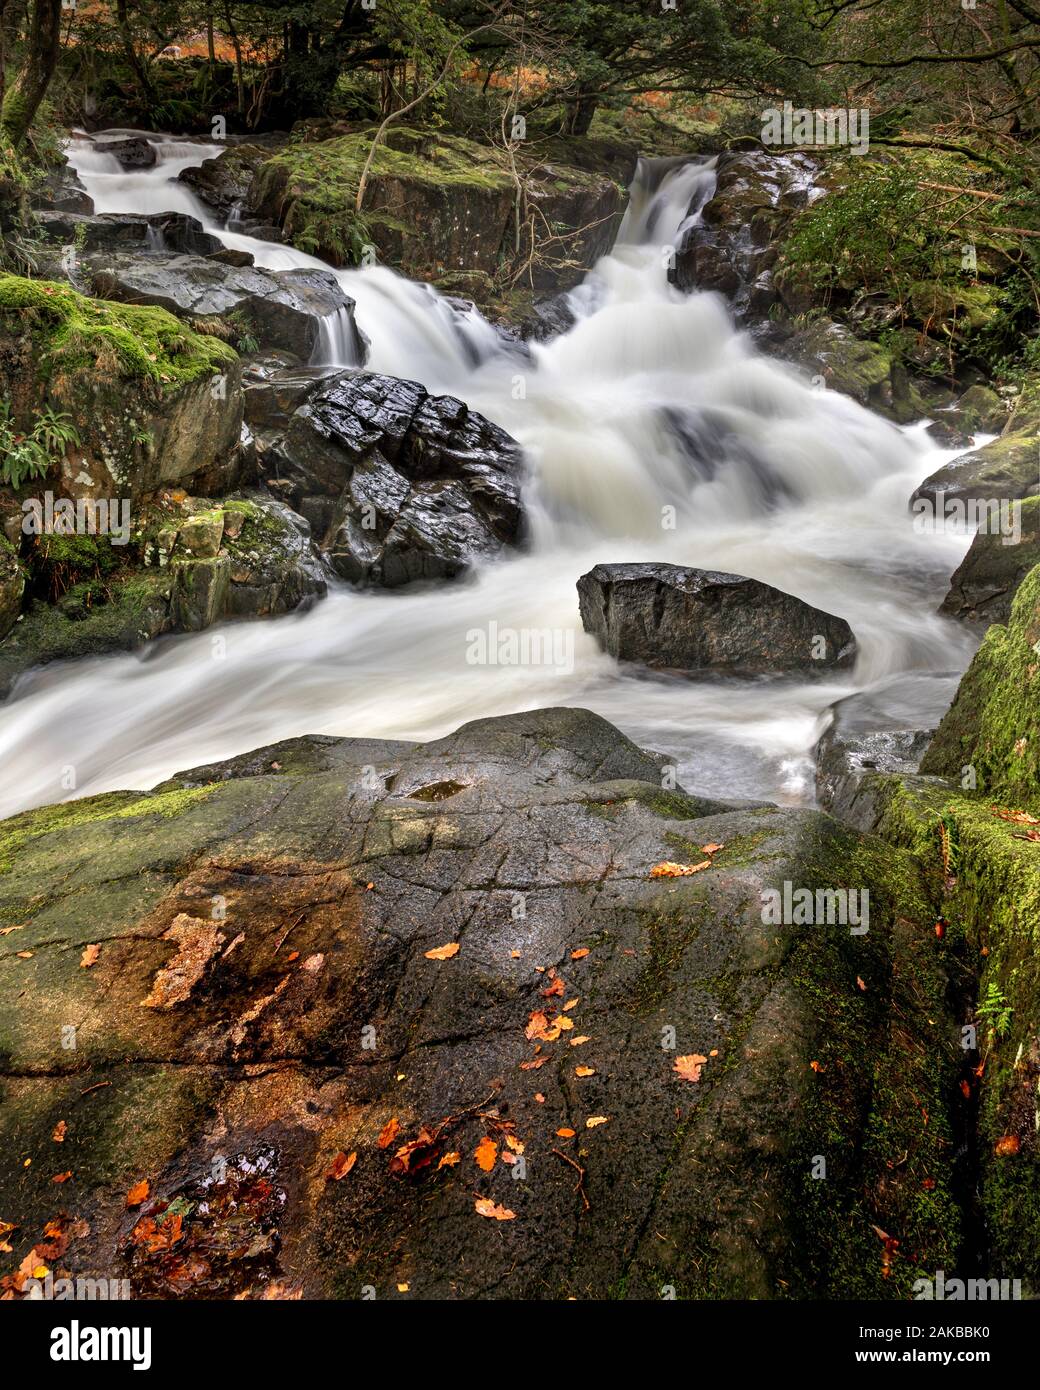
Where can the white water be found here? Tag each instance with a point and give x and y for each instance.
(797, 487)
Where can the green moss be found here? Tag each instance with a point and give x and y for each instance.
(72, 334)
(30, 825)
(993, 725)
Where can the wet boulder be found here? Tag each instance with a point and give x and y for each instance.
(132, 151)
(127, 232)
(674, 618)
(983, 586)
(407, 486)
(497, 1057)
(223, 183)
(282, 309)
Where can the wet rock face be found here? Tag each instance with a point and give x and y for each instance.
(132, 151)
(223, 183)
(121, 232)
(984, 584)
(282, 308)
(1005, 468)
(406, 486)
(668, 616)
(734, 249)
(280, 1029)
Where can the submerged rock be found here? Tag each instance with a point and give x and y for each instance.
(635, 1055)
(671, 617)
(126, 231)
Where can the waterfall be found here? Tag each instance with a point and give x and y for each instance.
(653, 430)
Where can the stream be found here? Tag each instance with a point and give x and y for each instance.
(807, 491)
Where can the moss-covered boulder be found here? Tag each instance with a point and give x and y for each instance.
(475, 1043)
(993, 726)
(152, 402)
(436, 204)
(189, 564)
(1006, 468)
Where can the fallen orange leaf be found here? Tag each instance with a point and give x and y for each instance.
(486, 1207)
(486, 1153)
(595, 1120)
(449, 1160)
(1007, 1146)
(577, 1042)
(60, 1131)
(89, 956)
(689, 1067)
(388, 1133)
(565, 1133)
(668, 869)
(138, 1193)
(584, 1071)
(340, 1166)
(443, 952)
(580, 954)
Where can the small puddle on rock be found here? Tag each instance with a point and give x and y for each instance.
(438, 791)
(214, 1237)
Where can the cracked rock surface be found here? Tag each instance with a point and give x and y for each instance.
(262, 1000)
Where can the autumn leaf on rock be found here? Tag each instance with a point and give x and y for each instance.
(565, 1133)
(388, 1133)
(577, 1042)
(514, 1143)
(449, 1160)
(556, 988)
(486, 1153)
(340, 1166)
(534, 1063)
(711, 849)
(443, 952)
(486, 1207)
(1007, 1146)
(536, 1025)
(60, 1131)
(668, 869)
(138, 1193)
(595, 1120)
(62, 1177)
(689, 1067)
(89, 956)
(580, 954)
(584, 1071)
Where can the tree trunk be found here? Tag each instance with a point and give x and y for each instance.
(137, 66)
(209, 37)
(581, 113)
(22, 100)
(237, 46)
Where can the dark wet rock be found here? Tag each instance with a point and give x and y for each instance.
(674, 618)
(419, 485)
(223, 183)
(831, 354)
(1006, 468)
(132, 151)
(281, 308)
(61, 190)
(983, 587)
(748, 212)
(877, 732)
(125, 231)
(228, 1049)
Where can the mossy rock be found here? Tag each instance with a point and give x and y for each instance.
(993, 726)
(815, 1042)
(12, 587)
(434, 204)
(152, 402)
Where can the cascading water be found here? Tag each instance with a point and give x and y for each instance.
(654, 432)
